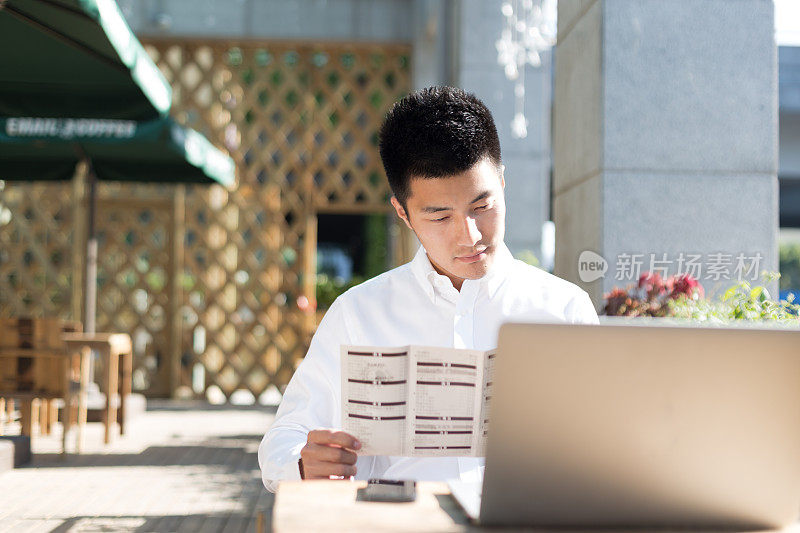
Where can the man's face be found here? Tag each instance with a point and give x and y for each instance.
(460, 220)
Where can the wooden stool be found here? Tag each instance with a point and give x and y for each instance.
(116, 353)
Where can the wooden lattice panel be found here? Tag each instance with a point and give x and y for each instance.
(134, 276)
(352, 90)
(301, 123)
(36, 249)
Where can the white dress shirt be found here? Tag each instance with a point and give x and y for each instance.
(411, 304)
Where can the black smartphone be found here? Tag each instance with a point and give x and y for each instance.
(388, 490)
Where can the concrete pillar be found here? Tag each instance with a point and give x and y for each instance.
(665, 137)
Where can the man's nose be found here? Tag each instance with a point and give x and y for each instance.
(469, 232)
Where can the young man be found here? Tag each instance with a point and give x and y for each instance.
(441, 153)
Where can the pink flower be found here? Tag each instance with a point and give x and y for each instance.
(615, 301)
(306, 305)
(686, 285)
(651, 295)
(652, 284)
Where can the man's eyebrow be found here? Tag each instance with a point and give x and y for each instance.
(481, 196)
(436, 209)
(433, 209)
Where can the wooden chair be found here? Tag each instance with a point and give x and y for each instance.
(42, 360)
(36, 368)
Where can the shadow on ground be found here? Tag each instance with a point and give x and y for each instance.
(154, 405)
(197, 471)
(223, 454)
(258, 520)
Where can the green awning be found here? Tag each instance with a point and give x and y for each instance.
(76, 85)
(76, 58)
(160, 150)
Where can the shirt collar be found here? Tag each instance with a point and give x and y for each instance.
(503, 261)
(427, 276)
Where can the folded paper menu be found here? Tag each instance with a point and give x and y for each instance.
(417, 401)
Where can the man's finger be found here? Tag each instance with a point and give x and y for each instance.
(335, 455)
(338, 438)
(330, 454)
(327, 453)
(324, 452)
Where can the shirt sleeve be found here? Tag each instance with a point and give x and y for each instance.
(310, 401)
(580, 310)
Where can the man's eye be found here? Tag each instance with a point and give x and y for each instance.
(439, 219)
(485, 206)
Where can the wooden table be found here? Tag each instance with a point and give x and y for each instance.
(116, 353)
(332, 506)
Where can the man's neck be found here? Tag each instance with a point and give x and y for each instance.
(455, 280)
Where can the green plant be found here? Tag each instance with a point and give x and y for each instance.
(328, 289)
(682, 297)
(376, 241)
(527, 256)
(740, 302)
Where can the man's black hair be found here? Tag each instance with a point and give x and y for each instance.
(435, 133)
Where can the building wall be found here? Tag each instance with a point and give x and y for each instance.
(344, 20)
(789, 135)
(789, 150)
(789, 103)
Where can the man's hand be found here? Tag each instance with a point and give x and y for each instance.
(328, 453)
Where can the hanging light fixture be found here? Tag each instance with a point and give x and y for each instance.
(530, 29)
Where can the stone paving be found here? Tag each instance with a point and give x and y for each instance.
(181, 467)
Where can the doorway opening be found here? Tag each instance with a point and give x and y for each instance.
(351, 248)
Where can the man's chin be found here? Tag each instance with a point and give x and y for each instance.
(474, 270)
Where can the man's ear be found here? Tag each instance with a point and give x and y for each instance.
(401, 212)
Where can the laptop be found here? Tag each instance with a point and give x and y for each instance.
(626, 426)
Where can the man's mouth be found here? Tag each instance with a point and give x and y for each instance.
(472, 258)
